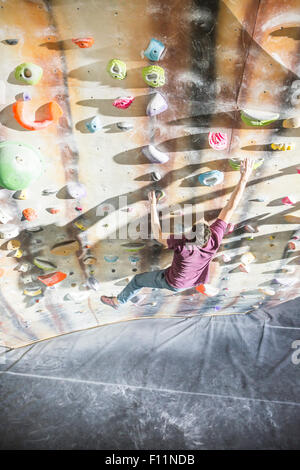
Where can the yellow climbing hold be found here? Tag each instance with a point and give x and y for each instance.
(281, 147)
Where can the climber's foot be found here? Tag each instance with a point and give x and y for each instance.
(111, 301)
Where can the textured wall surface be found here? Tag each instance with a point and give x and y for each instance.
(221, 56)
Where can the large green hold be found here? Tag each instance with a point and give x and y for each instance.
(28, 73)
(20, 165)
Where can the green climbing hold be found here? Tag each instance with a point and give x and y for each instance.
(154, 76)
(116, 69)
(28, 73)
(20, 165)
(252, 117)
(235, 163)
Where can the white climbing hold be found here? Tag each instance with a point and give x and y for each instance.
(4, 216)
(156, 105)
(9, 231)
(154, 155)
(76, 190)
(92, 283)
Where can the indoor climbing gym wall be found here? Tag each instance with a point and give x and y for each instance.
(102, 101)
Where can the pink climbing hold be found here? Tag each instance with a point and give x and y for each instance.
(123, 102)
(288, 200)
(218, 140)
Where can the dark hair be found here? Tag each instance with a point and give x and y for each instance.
(202, 233)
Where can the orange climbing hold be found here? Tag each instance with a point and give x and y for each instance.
(29, 214)
(53, 278)
(52, 110)
(83, 43)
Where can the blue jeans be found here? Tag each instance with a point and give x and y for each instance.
(154, 279)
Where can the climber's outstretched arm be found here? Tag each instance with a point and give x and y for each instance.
(155, 224)
(229, 209)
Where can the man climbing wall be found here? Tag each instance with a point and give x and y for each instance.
(191, 260)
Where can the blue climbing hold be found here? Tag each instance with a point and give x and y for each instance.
(154, 50)
(111, 258)
(211, 178)
(94, 124)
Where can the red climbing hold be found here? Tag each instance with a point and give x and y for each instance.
(83, 43)
(52, 110)
(29, 214)
(218, 140)
(53, 278)
(123, 102)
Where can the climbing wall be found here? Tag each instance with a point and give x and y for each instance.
(221, 59)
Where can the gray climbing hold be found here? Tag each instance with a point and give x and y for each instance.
(125, 126)
(155, 176)
(154, 155)
(11, 42)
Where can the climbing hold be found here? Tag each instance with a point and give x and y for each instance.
(76, 190)
(20, 165)
(68, 297)
(282, 147)
(235, 163)
(211, 178)
(218, 140)
(116, 69)
(291, 123)
(4, 216)
(155, 176)
(244, 268)
(80, 225)
(48, 191)
(133, 259)
(94, 124)
(154, 76)
(230, 228)
(29, 214)
(267, 291)
(111, 258)
(32, 290)
(125, 126)
(133, 246)
(9, 231)
(294, 241)
(18, 253)
(123, 102)
(11, 42)
(252, 117)
(89, 260)
(2, 92)
(250, 229)
(53, 278)
(154, 155)
(52, 110)
(65, 248)
(289, 200)
(154, 50)
(83, 43)
(79, 209)
(207, 290)
(157, 105)
(13, 244)
(21, 194)
(160, 194)
(28, 73)
(247, 258)
(53, 210)
(226, 258)
(26, 96)
(44, 264)
(24, 267)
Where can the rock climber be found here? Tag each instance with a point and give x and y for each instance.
(192, 257)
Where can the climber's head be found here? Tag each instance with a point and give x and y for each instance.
(199, 234)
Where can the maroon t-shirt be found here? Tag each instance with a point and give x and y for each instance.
(190, 265)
